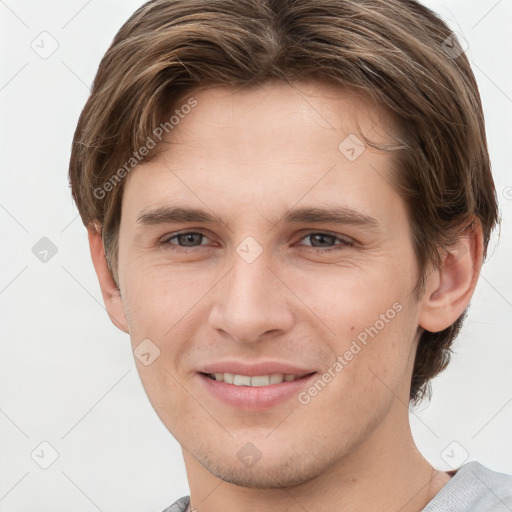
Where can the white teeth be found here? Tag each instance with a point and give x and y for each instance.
(263, 380)
(256, 381)
(276, 378)
(241, 380)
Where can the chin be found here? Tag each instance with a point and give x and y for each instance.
(284, 472)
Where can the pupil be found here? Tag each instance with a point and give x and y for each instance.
(188, 237)
(321, 237)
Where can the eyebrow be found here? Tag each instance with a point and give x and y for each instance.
(305, 215)
(170, 214)
(331, 215)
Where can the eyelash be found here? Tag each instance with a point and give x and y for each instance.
(184, 249)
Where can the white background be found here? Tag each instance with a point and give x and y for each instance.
(67, 374)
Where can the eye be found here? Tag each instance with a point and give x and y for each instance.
(325, 242)
(185, 239)
(319, 241)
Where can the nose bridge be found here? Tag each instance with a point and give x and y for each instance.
(249, 304)
(250, 282)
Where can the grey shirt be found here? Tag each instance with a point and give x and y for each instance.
(473, 488)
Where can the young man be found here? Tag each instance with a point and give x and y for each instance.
(288, 204)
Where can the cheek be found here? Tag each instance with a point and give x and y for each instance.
(374, 319)
(350, 299)
(158, 298)
(163, 307)
(380, 370)
(365, 377)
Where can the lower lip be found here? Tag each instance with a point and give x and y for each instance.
(255, 398)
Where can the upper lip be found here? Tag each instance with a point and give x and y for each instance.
(255, 369)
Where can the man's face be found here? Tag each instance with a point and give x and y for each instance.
(266, 288)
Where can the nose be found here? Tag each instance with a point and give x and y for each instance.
(251, 303)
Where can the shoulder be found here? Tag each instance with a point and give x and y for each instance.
(180, 505)
(474, 488)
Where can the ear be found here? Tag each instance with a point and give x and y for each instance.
(109, 290)
(450, 288)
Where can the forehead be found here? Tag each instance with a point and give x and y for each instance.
(296, 141)
(286, 110)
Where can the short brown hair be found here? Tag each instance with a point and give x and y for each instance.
(397, 52)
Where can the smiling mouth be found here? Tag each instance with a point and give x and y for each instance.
(255, 381)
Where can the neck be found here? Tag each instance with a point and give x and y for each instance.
(385, 472)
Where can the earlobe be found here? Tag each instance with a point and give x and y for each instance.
(450, 287)
(109, 290)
